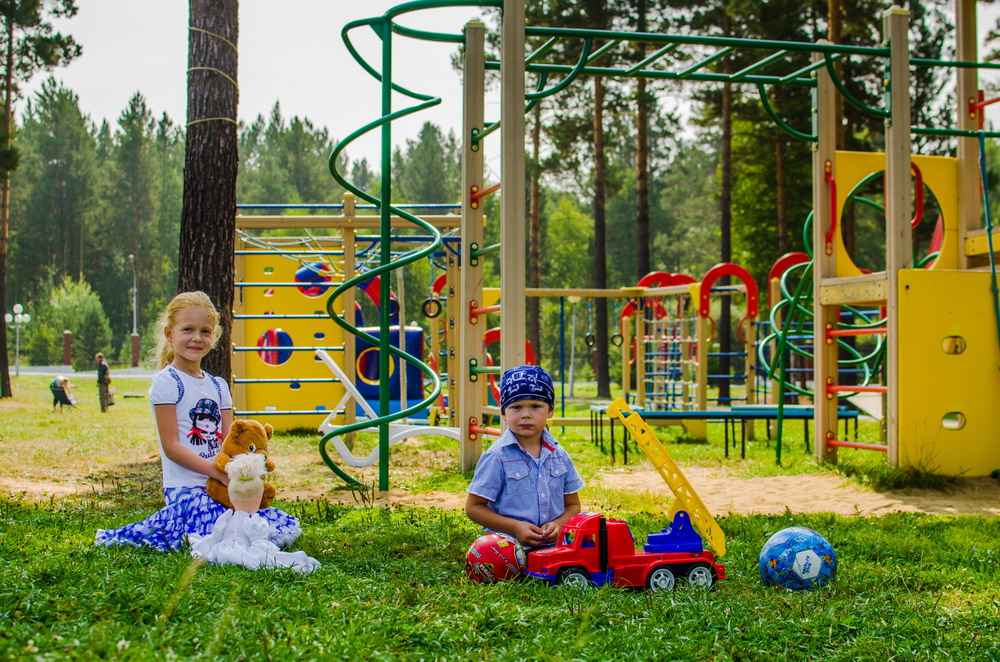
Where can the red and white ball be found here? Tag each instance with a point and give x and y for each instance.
(495, 557)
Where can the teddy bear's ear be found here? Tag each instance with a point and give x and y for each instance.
(238, 426)
(268, 430)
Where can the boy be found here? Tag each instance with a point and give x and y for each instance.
(525, 484)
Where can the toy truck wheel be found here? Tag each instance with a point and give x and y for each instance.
(575, 576)
(661, 579)
(700, 575)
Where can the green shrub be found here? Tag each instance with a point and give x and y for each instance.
(75, 306)
(45, 346)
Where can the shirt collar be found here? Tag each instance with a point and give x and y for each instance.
(549, 443)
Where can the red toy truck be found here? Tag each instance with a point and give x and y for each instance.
(596, 550)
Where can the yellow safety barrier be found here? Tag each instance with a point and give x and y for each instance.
(685, 497)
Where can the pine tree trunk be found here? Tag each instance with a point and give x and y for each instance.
(600, 246)
(208, 226)
(8, 102)
(643, 252)
(725, 224)
(780, 194)
(535, 237)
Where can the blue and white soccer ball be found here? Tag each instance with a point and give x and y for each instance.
(797, 558)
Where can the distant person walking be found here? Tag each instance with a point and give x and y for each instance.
(103, 380)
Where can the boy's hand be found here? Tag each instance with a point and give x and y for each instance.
(528, 534)
(550, 532)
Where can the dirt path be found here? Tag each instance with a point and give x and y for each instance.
(722, 494)
(812, 493)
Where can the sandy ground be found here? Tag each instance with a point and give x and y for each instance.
(813, 493)
(721, 493)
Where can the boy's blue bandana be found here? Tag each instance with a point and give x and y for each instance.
(526, 382)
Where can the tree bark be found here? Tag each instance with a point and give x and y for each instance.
(600, 246)
(8, 102)
(643, 252)
(535, 237)
(726, 220)
(780, 194)
(211, 160)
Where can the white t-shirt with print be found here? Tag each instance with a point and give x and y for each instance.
(199, 403)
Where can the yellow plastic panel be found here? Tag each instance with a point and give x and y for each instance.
(282, 300)
(940, 175)
(937, 382)
(491, 296)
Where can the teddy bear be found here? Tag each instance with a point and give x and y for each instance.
(245, 436)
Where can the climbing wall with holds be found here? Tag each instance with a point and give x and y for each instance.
(282, 285)
(949, 373)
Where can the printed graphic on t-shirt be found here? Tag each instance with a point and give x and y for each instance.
(206, 422)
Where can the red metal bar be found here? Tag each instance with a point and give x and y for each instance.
(475, 311)
(475, 429)
(982, 104)
(477, 193)
(853, 444)
(832, 388)
(486, 309)
(874, 331)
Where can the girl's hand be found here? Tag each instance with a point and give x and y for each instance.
(220, 476)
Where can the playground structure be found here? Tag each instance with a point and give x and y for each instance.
(934, 332)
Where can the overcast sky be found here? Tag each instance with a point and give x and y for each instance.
(289, 51)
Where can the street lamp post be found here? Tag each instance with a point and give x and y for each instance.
(135, 314)
(17, 320)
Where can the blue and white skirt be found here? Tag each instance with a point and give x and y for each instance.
(190, 510)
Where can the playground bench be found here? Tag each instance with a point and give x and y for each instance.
(729, 417)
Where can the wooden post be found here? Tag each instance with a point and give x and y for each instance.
(513, 266)
(969, 203)
(774, 291)
(470, 282)
(453, 317)
(350, 348)
(825, 262)
(641, 333)
(701, 340)
(898, 208)
(238, 335)
(625, 328)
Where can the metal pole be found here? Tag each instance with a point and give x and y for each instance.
(17, 346)
(135, 313)
(572, 349)
(562, 356)
(385, 257)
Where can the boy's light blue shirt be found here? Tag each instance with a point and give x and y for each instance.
(523, 488)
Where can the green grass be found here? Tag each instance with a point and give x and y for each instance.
(392, 586)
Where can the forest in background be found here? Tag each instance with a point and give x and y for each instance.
(87, 196)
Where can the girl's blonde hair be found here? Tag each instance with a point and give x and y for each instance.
(163, 354)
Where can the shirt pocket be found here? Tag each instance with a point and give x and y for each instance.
(557, 468)
(516, 473)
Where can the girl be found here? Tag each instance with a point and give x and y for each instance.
(183, 396)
